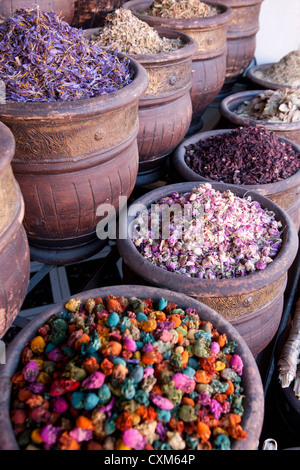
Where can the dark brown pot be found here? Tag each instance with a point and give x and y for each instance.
(284, 193)
(63, 8)
(253, 304)
(209, 62)
(241, 36)
(165, 109)
(289, 130)
(92, 13)
(70, 158)
(254, 399)
(251, 75)
(14, 249)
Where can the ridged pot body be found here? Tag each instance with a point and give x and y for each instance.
(241, 36)
(285, 193)
(92, 13)
(209, 62)
(63, 8)
(70, 158)
(253, 402)
(165, 109)
(14, 249)
(253, 304)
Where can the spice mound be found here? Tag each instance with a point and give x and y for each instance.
(285, 72)
(208, 234)
(42, 58)
(178, 9)
(246, 155)
(123, 374)
(126, 33)
(272, 105)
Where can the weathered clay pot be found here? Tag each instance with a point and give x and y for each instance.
(251, 75)
(254, 400)
(209, 62)
(253, 304)
(241, 36)
(63, 8)
(70, 158)
(289, 130)
(165, 109)
(284, 193)
(14, 249)
(92, 13)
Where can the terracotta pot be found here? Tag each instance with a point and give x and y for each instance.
(251, 75)
(70, 158)
(289, 130)
(284, 193)
(165, 109)
(254, 399)
(209, 62)
(241, 36)
(92, 13)
(253, 304)
(63, 8)
(14, 249)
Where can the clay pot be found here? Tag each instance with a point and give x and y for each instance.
(165, 109)
(241, 36)
(209, 62)
(251, 75)
(63, 8)
(92, 13)
(70, 158)
(289, 130)
(14, 249)
(254, 401)
(284, 193)
(252, 304)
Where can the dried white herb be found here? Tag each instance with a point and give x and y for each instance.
(273, 105)
(181, 9)
(124, 32)
(286, 71)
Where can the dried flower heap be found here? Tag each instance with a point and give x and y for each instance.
(42, 58)
(272, 105)
(181, 9)
(247, 155)
(124, 32)
(123, 373)
(230, 237)
(286, 71)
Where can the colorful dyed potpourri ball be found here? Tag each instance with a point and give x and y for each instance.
(226, 236)
(43, 58)
(124, 373)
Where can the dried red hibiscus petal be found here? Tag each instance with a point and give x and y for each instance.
(247, 155)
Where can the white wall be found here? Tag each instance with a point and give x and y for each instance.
(279, 31)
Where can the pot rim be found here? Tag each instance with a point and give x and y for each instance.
(251, 421)
(231, 102)
(250, 73)
(78, 109)
(264, 189)
(215, 21)
(210, 287)
(8, 146)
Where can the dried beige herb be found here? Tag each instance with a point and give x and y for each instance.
(273, 105)
(286, 71)
(181, 9)
(124, 32)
